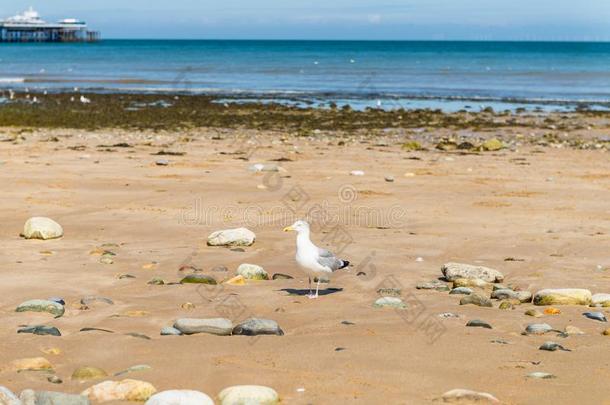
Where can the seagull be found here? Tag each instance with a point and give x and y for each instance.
(84, 100)
(316, 262)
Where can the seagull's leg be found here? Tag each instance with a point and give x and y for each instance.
(310, 292)
(317, 288)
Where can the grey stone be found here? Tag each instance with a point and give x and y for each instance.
(538, 328)
(453, 271)
(476, 299)
(214, 326)
(232, 237)
(596, 316)
(477, 323)
(40, 330)
(41, 306)
(256, 326)
(504, 294)
(552, 347)
(461, 291)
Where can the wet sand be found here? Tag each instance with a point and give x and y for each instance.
(539, 214)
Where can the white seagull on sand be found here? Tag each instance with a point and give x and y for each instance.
(315, 261)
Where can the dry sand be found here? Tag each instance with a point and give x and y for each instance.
(546, 208)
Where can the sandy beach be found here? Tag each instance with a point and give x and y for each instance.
(535, 209)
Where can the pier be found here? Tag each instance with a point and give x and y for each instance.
(30, 27)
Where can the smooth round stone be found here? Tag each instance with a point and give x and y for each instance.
(124, 390)
(7, 397)
(600, 300)
(470, 283)
(41, 306)
(41, 330)
(538, 328)
(252, 272)
(42, 228)
(214, 326)
(552, 347)
(563, 296)
(606, 332)
(477, 323)
(461, 395)
(53, 379)
(180, 397)
(596, 316)
(461, 290)
(232, 237)
(198, 279)
(504, 294)
(453, 271)
(256, 326)
(156, 281)
(506, 305)
(539, 375)
(524, 296)
(162, 162)
(389, 179)
(533, 312)
(248, 394)
(88, 373)
(389, 302)
(476, 299)
(433, 285)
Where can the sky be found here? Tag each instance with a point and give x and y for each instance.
(572, 20)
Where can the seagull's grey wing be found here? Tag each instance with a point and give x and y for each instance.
(327, 259)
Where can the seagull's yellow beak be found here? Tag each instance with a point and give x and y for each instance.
(288, 228)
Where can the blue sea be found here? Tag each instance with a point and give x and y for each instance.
(383, 74)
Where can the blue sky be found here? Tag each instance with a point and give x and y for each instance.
(334, 19)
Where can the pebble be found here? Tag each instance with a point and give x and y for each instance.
(106, 259)
(248, 394)
(42, 228)
(53, 379)
(477, 323)
(180, 397)
(461, 290)
(596, 316)
(214, 326)
(504, 294)
(563, 296)
(41, 330)
(188, 306)
(470, 282)
(600, 300)
(31, 364)
(468, 396)
(606, 332)
(389, 302)
(533, 312)
(552, 346)
(433, 285)
(453, 271)
(256, 326)
(389, 179)
(538, 328)
(476, 299)
(232, 237)
(156, 281)
(356, 173)
(7, 397)
(552, 311)
(88, 373)
(524, 296)
(41, 306)
(31, 397)
(539, 375)
(198, 279)
(237, 280)
(506, 305)
(252, 272)
(162, 162)
(280, 276)
(125, 390)
(170, 331)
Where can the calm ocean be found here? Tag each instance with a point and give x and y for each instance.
(449, 75)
